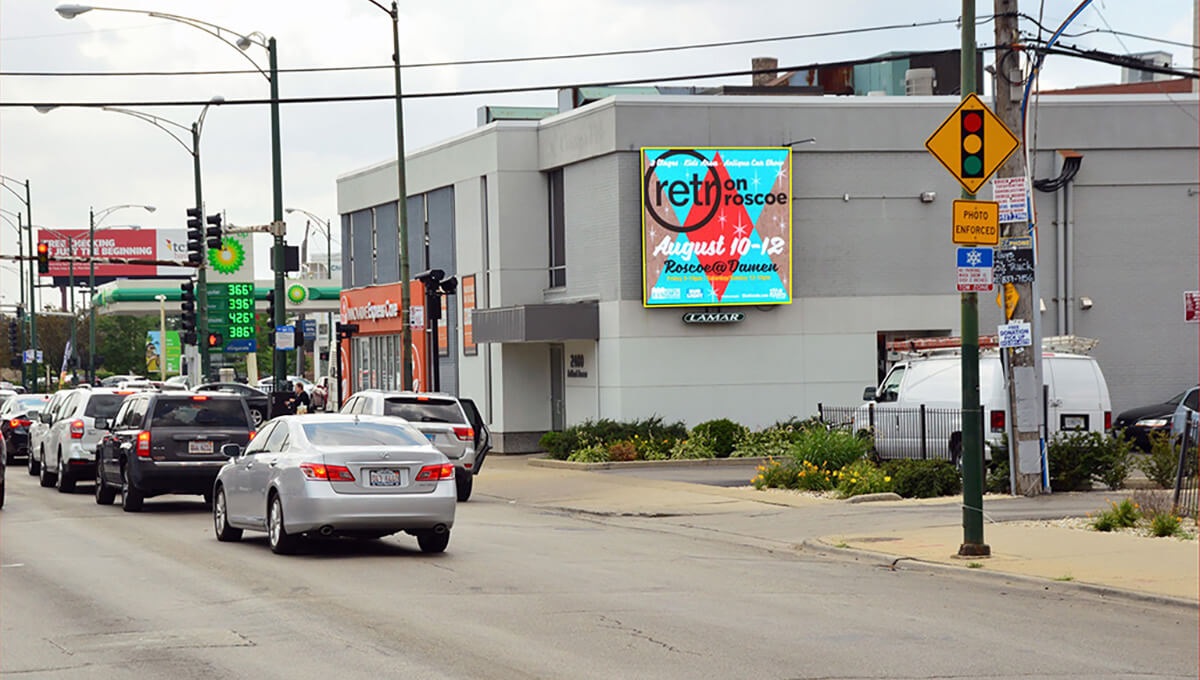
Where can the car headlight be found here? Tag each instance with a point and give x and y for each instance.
(1153, 422)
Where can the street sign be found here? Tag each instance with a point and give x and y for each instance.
(1014, 266)
(310, 328)
(976, 223)
(1191, 306)
(972, 143)
(1014, 334)
(285, 337)
(1006, 298)
(974, 270)
(1012, 193)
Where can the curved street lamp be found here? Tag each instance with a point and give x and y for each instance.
(240, 42)
(94, 219)
(4, 214)
(33, 339)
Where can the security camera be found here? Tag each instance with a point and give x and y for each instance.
(1085, 302)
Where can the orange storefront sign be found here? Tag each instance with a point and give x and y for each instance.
(376, 311)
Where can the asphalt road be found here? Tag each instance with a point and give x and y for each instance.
(525, 592)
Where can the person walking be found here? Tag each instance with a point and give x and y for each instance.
(300, 401)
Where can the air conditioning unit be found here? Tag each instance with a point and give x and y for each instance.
(919, 81)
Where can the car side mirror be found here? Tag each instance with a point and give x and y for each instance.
(231, 450)
(869, 393)
(103, 424)
(45, 418)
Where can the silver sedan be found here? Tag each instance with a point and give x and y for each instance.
(336, 475)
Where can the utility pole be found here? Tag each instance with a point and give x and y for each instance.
(1023, 363)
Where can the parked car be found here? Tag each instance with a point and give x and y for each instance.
(257, 400)
(1187, 411)
(333, 475)
(1077, 399)
(40, 429)
(6, 394)
(168, 442)
(16, 417)
(68, 452)
(1140, 424)
(453, 424)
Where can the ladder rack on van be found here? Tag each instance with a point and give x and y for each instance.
(953, 345)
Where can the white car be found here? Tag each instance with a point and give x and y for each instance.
(328, 475)
(39, 431)
(1188, 410)
(68, 451)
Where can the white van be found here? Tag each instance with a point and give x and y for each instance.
(1076, 399)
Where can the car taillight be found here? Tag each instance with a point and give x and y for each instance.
(15, 423)
(76, 429)
(252, 433)
(432, 473)
(1107, 420)
(465, 434)
(199, 397)
(997, 421)
(332, 473)
(143, 444)
(22, 422)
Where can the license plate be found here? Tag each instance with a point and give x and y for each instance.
(385, 477)
(200, 447)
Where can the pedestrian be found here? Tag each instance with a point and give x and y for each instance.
(300, 400)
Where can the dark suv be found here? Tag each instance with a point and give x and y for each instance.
(165, 442)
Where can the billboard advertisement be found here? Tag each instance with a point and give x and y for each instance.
(716, 226)
(141, 244)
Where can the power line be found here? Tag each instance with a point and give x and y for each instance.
(507, 60)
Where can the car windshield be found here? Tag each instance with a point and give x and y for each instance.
(349, 433)
(199, 412)
(30, 403)
(103, 405)
(423, 409)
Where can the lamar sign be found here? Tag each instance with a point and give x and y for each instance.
(976, 223)
(713, 317)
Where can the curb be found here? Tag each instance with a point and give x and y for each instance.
(613, 465)
(890, 561)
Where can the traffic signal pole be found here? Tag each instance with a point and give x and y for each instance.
(1024, 369)
(202, 270)
(972, 416)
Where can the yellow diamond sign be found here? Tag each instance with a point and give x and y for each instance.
(972, 143)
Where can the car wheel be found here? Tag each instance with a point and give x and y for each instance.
(63, 480)
(221, 520)
(464, 481)
(131, 498)
(433, 542)
(256, 417)
(104, 493)
(32, 465)
(45, 477)
(282, 543)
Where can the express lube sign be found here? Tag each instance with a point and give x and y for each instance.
(716, 226)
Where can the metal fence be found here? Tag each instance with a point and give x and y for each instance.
(1187, 495)
(919, 433)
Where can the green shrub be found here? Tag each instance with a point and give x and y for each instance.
(603, 432)
(649, 448)
(1165, 524)
(770, 442)
(775, 475)
(721, 435)
(830, 449)
(595, 453)
(1160, 464)
(1077, 458)
(1123, 515)
(686, 449)
(924, 478)
(810, 477)
(862, 477)
(998, 480)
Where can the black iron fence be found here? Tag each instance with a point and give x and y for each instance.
(920, 433)
(1187, 496)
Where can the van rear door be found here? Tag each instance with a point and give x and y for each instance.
(1078, 394)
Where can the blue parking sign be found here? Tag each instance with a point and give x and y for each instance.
(975, 257)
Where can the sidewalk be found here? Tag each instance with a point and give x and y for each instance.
(1165, 569)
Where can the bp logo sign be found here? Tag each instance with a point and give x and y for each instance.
(229, 257)
(297, 293)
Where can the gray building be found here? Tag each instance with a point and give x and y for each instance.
(544, 218)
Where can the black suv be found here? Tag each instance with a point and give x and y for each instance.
(164, 442)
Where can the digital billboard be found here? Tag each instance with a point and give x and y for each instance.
(716, 226)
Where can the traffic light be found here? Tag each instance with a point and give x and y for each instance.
(299, 333)
(271, 317)
(212, 233)
(43, 257)
(971, 132)
(215, 341)
(195, 237)
(187, 310)
(14, 343)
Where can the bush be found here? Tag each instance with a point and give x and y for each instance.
(589, 454)
(1165, 524)
(829, 449)
(685, 449)
(998, 480)
(1160, 464)
(810, 477)
(775, 475)
(720, 435)
(649, 448)
(622, 451)
(862, 477)
(1076, 458)
(770, 442)
(1124, 515)
(924, 478)
(603, 432)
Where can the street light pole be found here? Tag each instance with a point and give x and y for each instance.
(278, 261)
(20, 275)
(33, 343)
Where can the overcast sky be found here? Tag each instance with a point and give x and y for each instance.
(76, 157)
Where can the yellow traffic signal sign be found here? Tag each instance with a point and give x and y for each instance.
(972, 143)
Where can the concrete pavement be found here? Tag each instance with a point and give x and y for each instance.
(907, 532)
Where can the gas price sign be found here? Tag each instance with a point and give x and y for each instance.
(231, 316)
